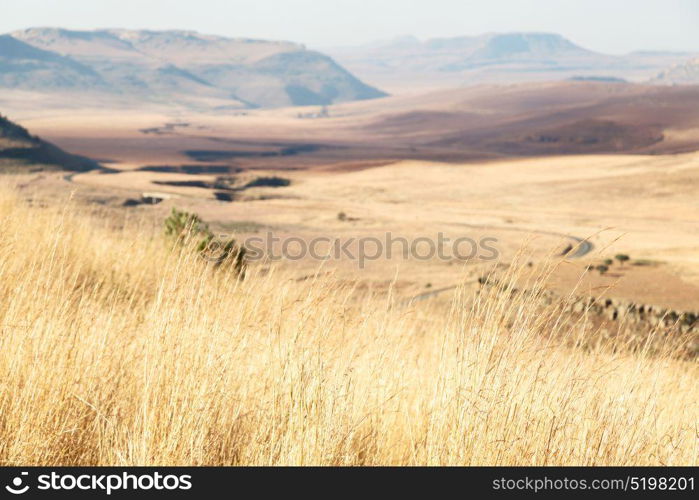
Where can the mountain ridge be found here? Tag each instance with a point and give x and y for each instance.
(178, 64)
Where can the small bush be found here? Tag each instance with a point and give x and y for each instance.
(622, 258)
(187, 228)
(183, 225)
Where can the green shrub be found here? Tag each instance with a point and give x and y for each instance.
(622, 258)
(189, 229)
(183, 225)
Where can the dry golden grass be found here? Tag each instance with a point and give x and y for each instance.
(114, 350)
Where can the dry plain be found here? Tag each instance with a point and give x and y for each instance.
(640, 200)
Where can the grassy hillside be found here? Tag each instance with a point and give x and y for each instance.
(20, 150)
(115, 350)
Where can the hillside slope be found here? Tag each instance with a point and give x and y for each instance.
(552, 118)
(25, 66)
(20, 149)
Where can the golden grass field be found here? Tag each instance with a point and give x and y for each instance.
(117, 350)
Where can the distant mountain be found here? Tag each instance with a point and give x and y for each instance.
(19, 149)
(598, 79)
(680, 74)
(175, 65)
(513, 47)
(28, 67)
(493, 57)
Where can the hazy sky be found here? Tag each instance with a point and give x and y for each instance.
(614, 26)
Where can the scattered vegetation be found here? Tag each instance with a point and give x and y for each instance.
(273, 181)
(607, 263)
(226, 187)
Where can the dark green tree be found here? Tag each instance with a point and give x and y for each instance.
(622, 258)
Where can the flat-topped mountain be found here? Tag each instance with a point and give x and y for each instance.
(176, 65)
(493, 57)
(509, 46)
